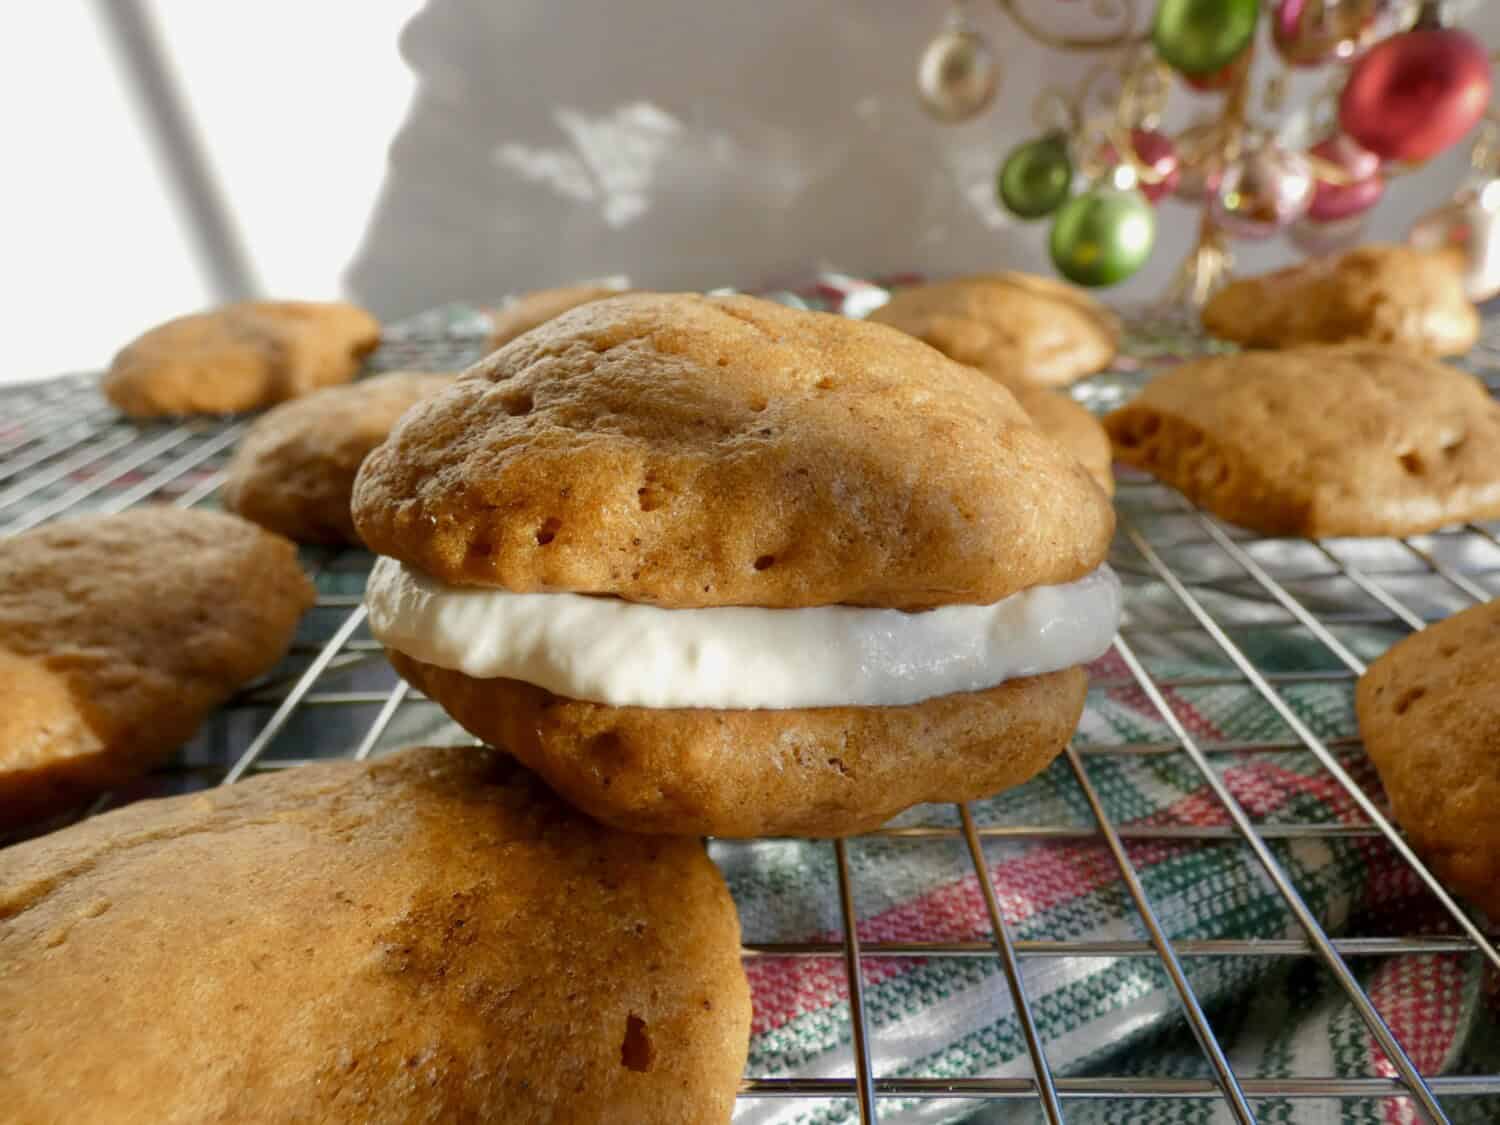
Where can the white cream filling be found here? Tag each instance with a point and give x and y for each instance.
(740, 657)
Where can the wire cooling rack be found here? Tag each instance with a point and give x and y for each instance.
(1192, 585)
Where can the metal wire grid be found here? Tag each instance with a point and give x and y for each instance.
(62, 451)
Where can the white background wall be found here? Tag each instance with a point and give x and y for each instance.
(775, 136)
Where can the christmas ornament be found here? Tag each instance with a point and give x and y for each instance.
(1470, 225)
(1102, 236)
(1264, 191)
(1217, 81)
(1315, 238)
(957, 75)
(1313, 32)
(1155, 153)
(1201, 36)
(1414, 94)
(1036, 177)
(1359, 166)
(1200, 165)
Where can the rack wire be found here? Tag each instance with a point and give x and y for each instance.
(1188, 577)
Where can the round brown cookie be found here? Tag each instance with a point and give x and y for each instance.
(532, 309)
(697, 451)
(1014, 325)
(240, 357)
(294, 470)
(1394, 295)
(1073, 427)
(1429, 713)
(429, 937)
(1354, 440)
(827, 771)
(119, 634)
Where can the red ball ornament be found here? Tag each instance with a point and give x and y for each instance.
(1413, 95)
(1333, 201)
(1157, 152)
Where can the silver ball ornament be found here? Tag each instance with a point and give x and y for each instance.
(957, 76)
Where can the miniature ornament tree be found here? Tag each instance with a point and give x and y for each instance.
(1402, 88)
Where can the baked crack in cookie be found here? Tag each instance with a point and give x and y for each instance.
(1013, 325)
(119, 634)
(1394, 295)
(1429, 713)
(715, 566)
(294, 471)
(430, 937)
(240, 357)
(1320, 441)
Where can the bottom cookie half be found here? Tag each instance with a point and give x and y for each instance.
(828, 771)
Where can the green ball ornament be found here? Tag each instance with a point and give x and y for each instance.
(1036, 177)
(1202, 36)
(1102, 236)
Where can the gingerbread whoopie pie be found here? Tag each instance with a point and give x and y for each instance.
(714, 566)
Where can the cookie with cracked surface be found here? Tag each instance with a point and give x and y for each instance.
(532, 309)
(1073, 427)
(431, 936)
(825, 771)
(293, 472)
(699, 451)
(1019, 327)
(119, 634)
(1351, 440)
(1398, 296)
(1429, 713)
(238, 357)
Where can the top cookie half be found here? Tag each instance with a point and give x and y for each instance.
(695, 451)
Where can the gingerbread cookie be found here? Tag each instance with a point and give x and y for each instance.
(531, 309)
(1073, 427)
(428, 937)
(1320, 441)
(1429, 713)
(1394, 295)
(294, 470)
(240, 357)
(713, 524)
(1013, 325)
(119, 634)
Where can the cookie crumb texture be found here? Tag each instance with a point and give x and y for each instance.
(826, 771)
(294, 471)
(1429, 713)
(240, 357)
(1014, 326)
(1397, 296)
(119, 634)
(1320, 441)
(429, 937)
(696, 451)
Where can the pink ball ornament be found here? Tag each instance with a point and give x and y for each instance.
(1415, 94)
(1314, 32)
(1332, 201)
(1157, 152)
(1268, 189)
